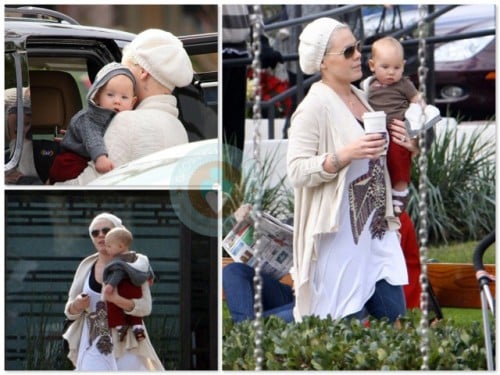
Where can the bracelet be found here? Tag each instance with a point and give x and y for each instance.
(335, 162)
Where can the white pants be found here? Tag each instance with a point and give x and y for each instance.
(92, 360)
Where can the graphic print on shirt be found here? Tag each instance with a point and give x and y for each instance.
(367, 194)
(98, 323)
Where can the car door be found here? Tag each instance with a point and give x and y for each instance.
(50, 75)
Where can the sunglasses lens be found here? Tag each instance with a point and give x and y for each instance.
(95, 232)
(349, 51)
(358, 46)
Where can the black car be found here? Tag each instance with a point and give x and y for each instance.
(51, 60)
(464, 61)
(465, 73)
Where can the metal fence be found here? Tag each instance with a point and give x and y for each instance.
(409, 43)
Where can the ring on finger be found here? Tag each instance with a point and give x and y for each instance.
(403, 138)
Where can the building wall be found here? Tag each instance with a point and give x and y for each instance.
(178, 19)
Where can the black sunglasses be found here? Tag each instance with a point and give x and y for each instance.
(348, 51)
(95, 232)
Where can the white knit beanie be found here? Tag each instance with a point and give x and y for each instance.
(163, 56)
(313, 42)
(115, 220)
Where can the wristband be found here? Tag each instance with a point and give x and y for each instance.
(335, 162)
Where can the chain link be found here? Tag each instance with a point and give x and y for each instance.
(256, 22)
(422, 187)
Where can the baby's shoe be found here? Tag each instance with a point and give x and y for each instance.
(139, 334)
(415, 121)
(122, 332)
(400, 200)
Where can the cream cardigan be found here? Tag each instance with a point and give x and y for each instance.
(152, 126)
(321, 124)
(142, 308)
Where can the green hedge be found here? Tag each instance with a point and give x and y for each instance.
(323, 344)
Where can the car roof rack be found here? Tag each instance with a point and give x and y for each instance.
(30, 12)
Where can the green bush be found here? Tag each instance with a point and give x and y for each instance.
(323, 344)
(461, 187)
(44, 342)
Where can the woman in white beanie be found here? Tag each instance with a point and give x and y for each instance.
(93, 346)
(348, 260)
(159, 63)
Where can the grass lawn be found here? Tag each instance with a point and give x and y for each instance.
(459, 253)
(463, 317)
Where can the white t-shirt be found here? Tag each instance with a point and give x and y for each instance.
(353, 259)
(89, 357)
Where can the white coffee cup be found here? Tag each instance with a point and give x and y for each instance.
(375, 122)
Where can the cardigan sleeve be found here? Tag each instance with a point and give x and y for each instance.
(77, 285)
(76, 288)
(305, 156)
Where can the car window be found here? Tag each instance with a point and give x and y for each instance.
(75, 66)
(198, 109)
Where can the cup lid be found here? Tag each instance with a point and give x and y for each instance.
(375, 114)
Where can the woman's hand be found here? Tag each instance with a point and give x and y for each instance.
(369, 146)
(81, 303)
(400, 136)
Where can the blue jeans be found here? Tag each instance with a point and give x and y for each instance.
(387, 301)
(278, 299)
(237, 281)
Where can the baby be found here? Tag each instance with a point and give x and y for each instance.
(389, 91)
(126, 272)
(113, 91)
